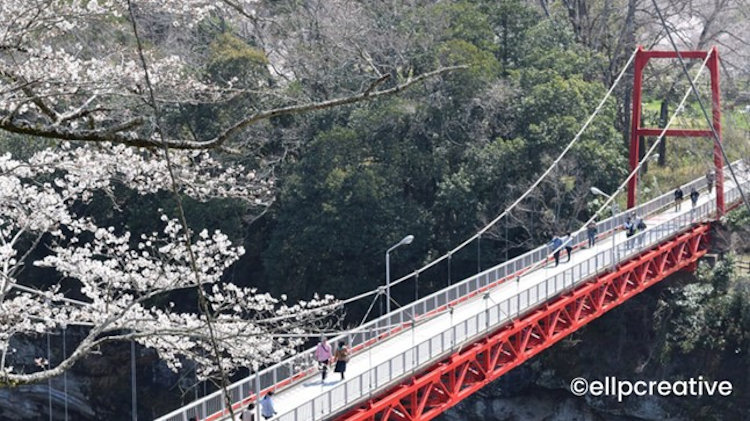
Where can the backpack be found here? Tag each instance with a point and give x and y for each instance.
(629, 228)
(641, 225)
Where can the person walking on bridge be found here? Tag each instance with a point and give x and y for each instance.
(266, 406)
(591, 230)
(247, 414)
(342, 357)
(555, 245)
(630, 228)
(678, 194)
(710, 180)
(323, 356)
(639, 226)
(694, 196)
(568, 244)
(694, 200)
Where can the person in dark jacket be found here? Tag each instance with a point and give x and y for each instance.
(710, 181)
(591, 230)
(342, 357)
(568, 244)
(639, 225)
(678, 198)
(247, 414)
(694, 196)
(630, 228)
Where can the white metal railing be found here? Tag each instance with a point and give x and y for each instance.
(300, 366)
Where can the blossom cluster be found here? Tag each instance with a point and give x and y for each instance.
(125, 281)
(73, 66)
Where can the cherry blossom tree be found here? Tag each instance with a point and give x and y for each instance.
(105, 80)
(120, 275)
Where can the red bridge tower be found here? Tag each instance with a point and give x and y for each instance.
(641, 59)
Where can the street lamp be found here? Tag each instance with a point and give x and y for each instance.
(406, 240)
(598, 192)
(638, 176)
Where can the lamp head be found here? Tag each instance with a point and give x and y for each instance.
(407, 240)
(598, 192)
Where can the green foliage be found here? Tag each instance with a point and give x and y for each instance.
(480, 186)
(738, 219)
(688, 328)
(466, 22)
(706, 313)
(720, 275)
(466, 38)
(551, 51)
(233, 60)
(343, 204)
(482, 64)
(558, 96)
(20, 147)
(510, 21)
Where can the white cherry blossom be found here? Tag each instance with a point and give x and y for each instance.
(124, 279)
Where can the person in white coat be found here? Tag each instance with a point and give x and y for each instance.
(568, 244)
(247, 414)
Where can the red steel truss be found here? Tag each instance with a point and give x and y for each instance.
(426, 395)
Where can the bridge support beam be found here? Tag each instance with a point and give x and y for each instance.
(426, 395)
(642, 58)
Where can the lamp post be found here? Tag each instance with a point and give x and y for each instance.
(133, 396)
(598, 192)
(638, 175)
(406, 240)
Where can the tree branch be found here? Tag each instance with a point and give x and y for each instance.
(115, 134)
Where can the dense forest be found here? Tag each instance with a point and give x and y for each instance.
(308, 137)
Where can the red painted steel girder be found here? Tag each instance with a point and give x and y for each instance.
(428, 394)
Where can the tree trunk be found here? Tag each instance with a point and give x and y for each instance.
(663, 115)
(641, 145)
(629, 43)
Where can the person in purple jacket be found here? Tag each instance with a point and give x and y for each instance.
(323, 356)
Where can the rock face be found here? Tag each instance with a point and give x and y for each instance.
(538, 404)
(97, 388)
(532, 393)
(33, 402)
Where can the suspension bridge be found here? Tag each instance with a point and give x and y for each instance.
(421, 359)
(417, 361)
